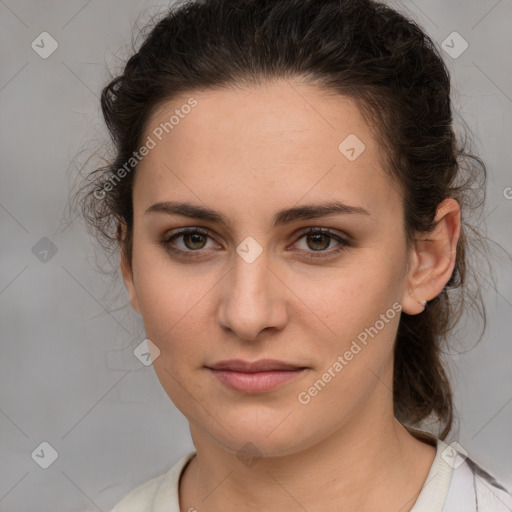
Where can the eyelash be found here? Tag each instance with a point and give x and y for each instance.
(343, 243)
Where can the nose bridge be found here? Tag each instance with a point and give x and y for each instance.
(250, 280)
(250, 303)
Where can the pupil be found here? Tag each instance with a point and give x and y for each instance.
(195, 237)
(315, 237)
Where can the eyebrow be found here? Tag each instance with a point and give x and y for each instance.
(282, 217)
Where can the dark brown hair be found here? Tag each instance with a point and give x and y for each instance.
(358, 48)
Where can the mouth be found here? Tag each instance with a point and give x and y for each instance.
(255, 377)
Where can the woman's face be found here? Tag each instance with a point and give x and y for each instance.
(255, 286)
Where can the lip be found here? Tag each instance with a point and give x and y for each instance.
(263, 365)
(255, 377)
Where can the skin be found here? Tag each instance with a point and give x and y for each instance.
(248, 153)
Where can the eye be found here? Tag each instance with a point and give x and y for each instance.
(194, 239)
(319, 239)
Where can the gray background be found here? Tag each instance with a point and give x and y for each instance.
(68, 375)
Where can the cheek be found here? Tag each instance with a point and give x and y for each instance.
(174, 317)
(352, 298)
(362, 313)
(329, 310)
(169, 297)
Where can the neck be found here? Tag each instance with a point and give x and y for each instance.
(369, 464)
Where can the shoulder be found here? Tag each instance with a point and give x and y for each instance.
(140, 499)
(456, 483)
(161, 491)
(472, 488)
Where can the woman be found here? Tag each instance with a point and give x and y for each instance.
(287, 198)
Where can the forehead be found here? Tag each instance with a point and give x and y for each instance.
(259, 121)
(280, 141)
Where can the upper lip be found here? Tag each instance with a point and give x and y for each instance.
(263, 365)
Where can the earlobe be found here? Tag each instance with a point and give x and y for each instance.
(433, 258)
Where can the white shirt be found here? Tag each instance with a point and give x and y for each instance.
(454, 484)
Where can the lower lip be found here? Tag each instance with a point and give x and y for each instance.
(257, 382)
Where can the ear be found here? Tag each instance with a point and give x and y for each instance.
(126, 268)
(433, 258)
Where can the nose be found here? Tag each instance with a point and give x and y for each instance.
(253, 299)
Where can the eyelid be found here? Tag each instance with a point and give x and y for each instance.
(175, 233)
(344, 241)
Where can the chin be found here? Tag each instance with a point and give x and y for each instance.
(261, 434)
